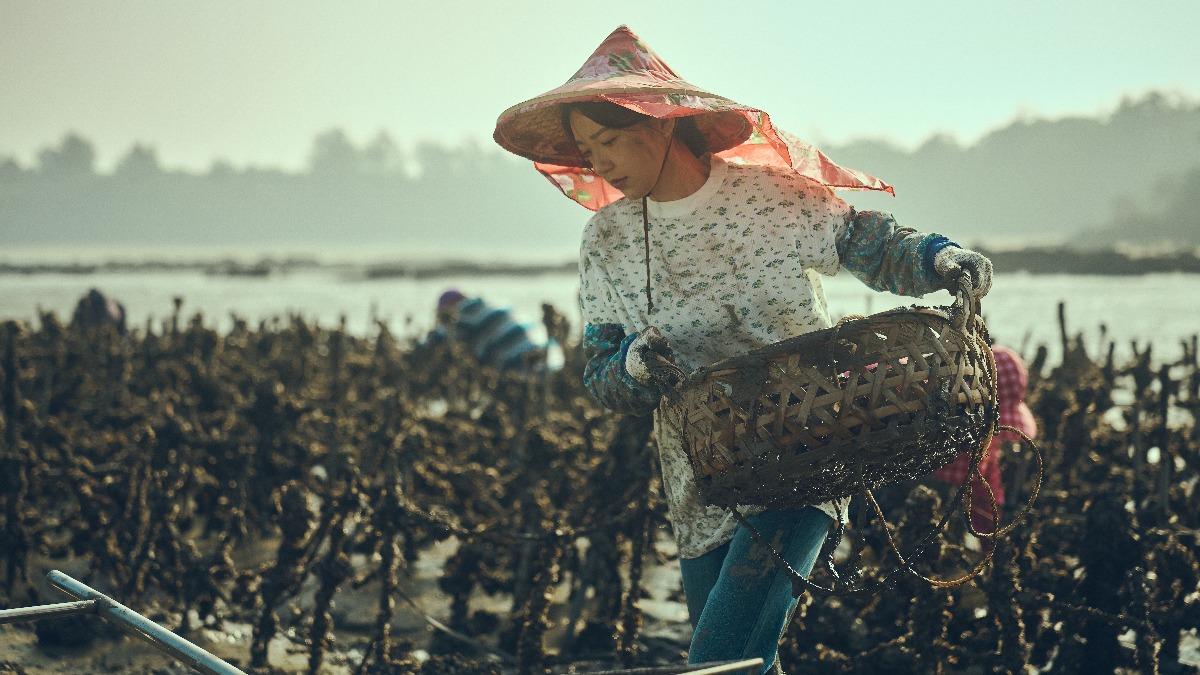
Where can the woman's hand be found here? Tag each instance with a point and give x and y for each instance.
(649, 344)
(951, 260)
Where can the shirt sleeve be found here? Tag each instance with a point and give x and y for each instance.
(598, 299)
(888, 257)
(869, 244)
(605, 342)
(819, 217)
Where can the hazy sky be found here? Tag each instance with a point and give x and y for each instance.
(254, 82)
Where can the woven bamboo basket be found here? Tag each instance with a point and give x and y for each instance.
(832, 413)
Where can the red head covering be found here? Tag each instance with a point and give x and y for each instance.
(625, 71)
(1012, 379)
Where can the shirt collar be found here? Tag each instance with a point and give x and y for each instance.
(678, 208)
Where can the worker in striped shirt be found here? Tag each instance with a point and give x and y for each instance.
(491, 334)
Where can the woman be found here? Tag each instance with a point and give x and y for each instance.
(711, 232)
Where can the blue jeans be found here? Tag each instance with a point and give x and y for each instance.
(739, 600)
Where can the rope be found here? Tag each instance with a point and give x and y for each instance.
(968, 308)
(963, 316)
(646, 217)
(800, 583)
(646, 239)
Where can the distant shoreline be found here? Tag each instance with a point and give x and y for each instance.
(1039, 260)
(1108, 262)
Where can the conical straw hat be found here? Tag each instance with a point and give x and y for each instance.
(623, 70)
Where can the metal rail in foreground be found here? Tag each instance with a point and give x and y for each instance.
(54, 611)
(93, 601)
(711, 668)
(748, 665)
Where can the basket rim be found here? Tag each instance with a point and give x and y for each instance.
(754, 357)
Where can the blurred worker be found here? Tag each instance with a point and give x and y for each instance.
(492, 335)
(1012, 378)
(96, 309)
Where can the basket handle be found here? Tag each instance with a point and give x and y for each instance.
(667, 375)
(966, 305)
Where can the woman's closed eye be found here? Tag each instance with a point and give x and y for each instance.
(587, 154)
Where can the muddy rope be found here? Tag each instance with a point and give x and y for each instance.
(907, 562)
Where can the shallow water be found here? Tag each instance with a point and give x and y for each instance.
(1161, 308)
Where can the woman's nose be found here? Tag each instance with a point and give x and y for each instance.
(601, 163)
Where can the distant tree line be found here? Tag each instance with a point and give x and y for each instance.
(462, 196)
(1076, 178)
(1173, 214)
(1131, 175)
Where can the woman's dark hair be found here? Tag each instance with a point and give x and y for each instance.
(614, 116)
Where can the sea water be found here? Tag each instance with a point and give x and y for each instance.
(1021, 310)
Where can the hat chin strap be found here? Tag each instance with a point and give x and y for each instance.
(646, 216)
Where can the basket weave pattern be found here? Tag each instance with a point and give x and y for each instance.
(832, 413)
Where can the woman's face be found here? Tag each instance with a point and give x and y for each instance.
(629, 159)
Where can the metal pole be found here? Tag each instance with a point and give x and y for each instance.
(751, 665)
(39, 612)
(710, 668)
(136, 624)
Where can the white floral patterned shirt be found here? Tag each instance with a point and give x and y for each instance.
(734, 266)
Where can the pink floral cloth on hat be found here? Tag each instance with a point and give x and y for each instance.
(623, 70)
